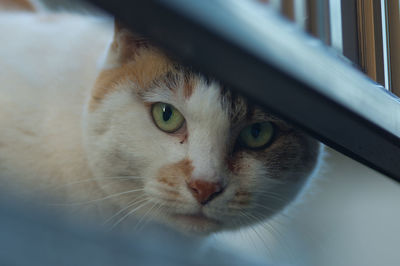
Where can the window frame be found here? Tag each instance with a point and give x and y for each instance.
(393, 33)
(370, 39)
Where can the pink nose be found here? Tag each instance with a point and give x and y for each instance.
(204, 191)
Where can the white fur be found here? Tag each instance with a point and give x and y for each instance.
(47, 67)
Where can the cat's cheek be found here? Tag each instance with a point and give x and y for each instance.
(246, 192)
(164, 184)
(234, 164)
(167, 181)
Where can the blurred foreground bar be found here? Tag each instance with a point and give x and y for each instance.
(33, 237)
(256, 52)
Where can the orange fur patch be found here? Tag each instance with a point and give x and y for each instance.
(167, 181)
(23, 5)
(173, 174)
(145, 68)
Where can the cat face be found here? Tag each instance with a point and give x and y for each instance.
(178, 148)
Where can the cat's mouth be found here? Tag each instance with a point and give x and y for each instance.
(194, 224)
(198, 219)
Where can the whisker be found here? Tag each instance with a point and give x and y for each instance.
(269, 193)
(271, 210)
(244, 236)
(240, 224)
(130, 213)
(281, 237)
(267, 197)
(144, 216)
(159, 210)
(278, 236)
(93, 179)
(130, 204)
(97, 200)
(265, 243)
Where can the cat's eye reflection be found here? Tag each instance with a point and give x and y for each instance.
(166, 117)
(257, 135)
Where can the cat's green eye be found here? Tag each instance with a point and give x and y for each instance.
(166, 117)
(257, 135)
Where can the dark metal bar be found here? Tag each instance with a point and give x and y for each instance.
(261, 55)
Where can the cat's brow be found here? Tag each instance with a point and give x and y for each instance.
(161, 88)
(170, 80)
(242, 110)
(179, 79)
(258, 114)
(237, 106)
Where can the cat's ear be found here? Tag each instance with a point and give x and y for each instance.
(125, 46)
(19, 5)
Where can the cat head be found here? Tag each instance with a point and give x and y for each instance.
(169, 144)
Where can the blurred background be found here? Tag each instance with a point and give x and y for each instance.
(351, 214)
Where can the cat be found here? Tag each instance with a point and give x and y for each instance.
(97, 114)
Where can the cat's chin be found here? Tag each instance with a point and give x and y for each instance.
(194, 224)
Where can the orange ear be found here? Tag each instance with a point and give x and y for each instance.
(22, 5)
(126, 44)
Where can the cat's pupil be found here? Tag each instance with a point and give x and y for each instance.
(255, 130)
(167, 112)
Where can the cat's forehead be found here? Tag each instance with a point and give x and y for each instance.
(194, 91)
